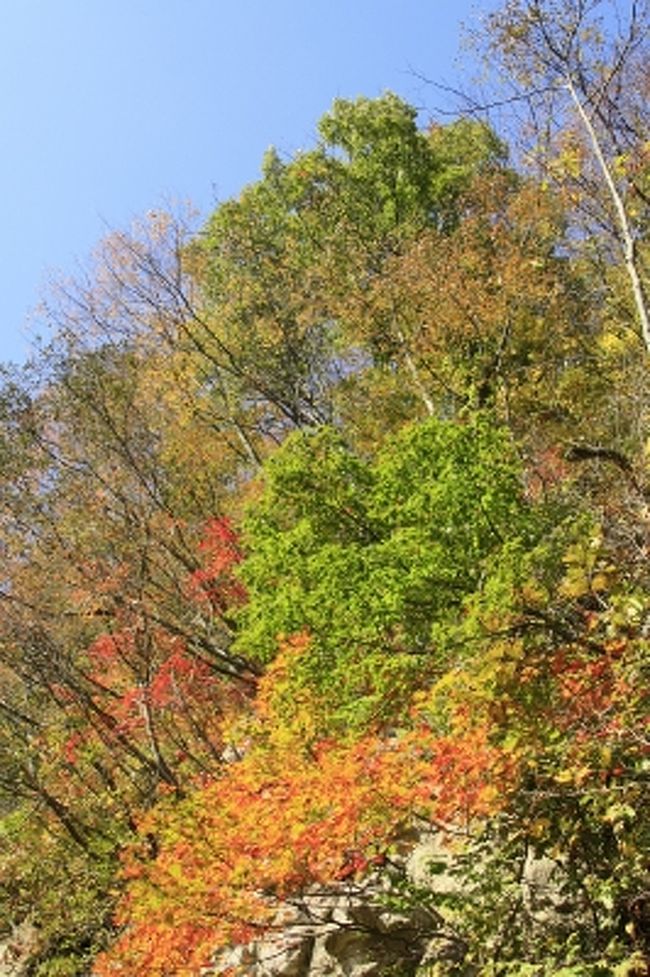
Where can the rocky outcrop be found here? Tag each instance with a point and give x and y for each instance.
(367, 930)
(357, 929)
(387, 925)
(18, 948)
(347, 931)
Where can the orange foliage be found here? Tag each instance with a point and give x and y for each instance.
(280, 819)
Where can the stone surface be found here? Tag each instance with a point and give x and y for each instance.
(345, 931)
(17, 949)
(353, 930)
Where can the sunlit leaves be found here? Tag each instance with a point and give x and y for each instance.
(285, 817)
(371, 557)
(324, 525)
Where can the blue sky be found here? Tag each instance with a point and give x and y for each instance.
(110, 108)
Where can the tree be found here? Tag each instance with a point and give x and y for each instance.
(114, 636)
(375, 559)
(294, 558)
(585, 88)
(286, 267)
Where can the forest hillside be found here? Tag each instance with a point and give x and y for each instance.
(325, 531)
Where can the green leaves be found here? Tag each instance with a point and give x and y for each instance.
(372, 556)
(388, 164)
(438, 619)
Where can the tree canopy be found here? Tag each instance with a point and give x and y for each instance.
(328, 520)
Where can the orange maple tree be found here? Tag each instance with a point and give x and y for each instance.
(286, 815)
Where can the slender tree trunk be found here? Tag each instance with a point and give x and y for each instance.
(627, 238)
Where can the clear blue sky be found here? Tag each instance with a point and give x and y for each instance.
(108, 108)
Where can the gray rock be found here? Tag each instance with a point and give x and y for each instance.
(18, 948)
(356, 930)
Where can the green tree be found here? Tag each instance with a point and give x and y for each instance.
(376, 559)
(280, 265)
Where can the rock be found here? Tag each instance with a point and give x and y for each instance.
(344, 931)
(357, 929)
(279, 955)
(18, 948)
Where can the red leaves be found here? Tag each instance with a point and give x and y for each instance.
(589, 688)
(179, 676)
(71, 747)
(214, 582)
(107, 648)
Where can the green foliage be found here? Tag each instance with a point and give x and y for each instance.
(284, 266)
(372, 556)
(439, 622)
(388, 165)
(463, 151)
(74, 892)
